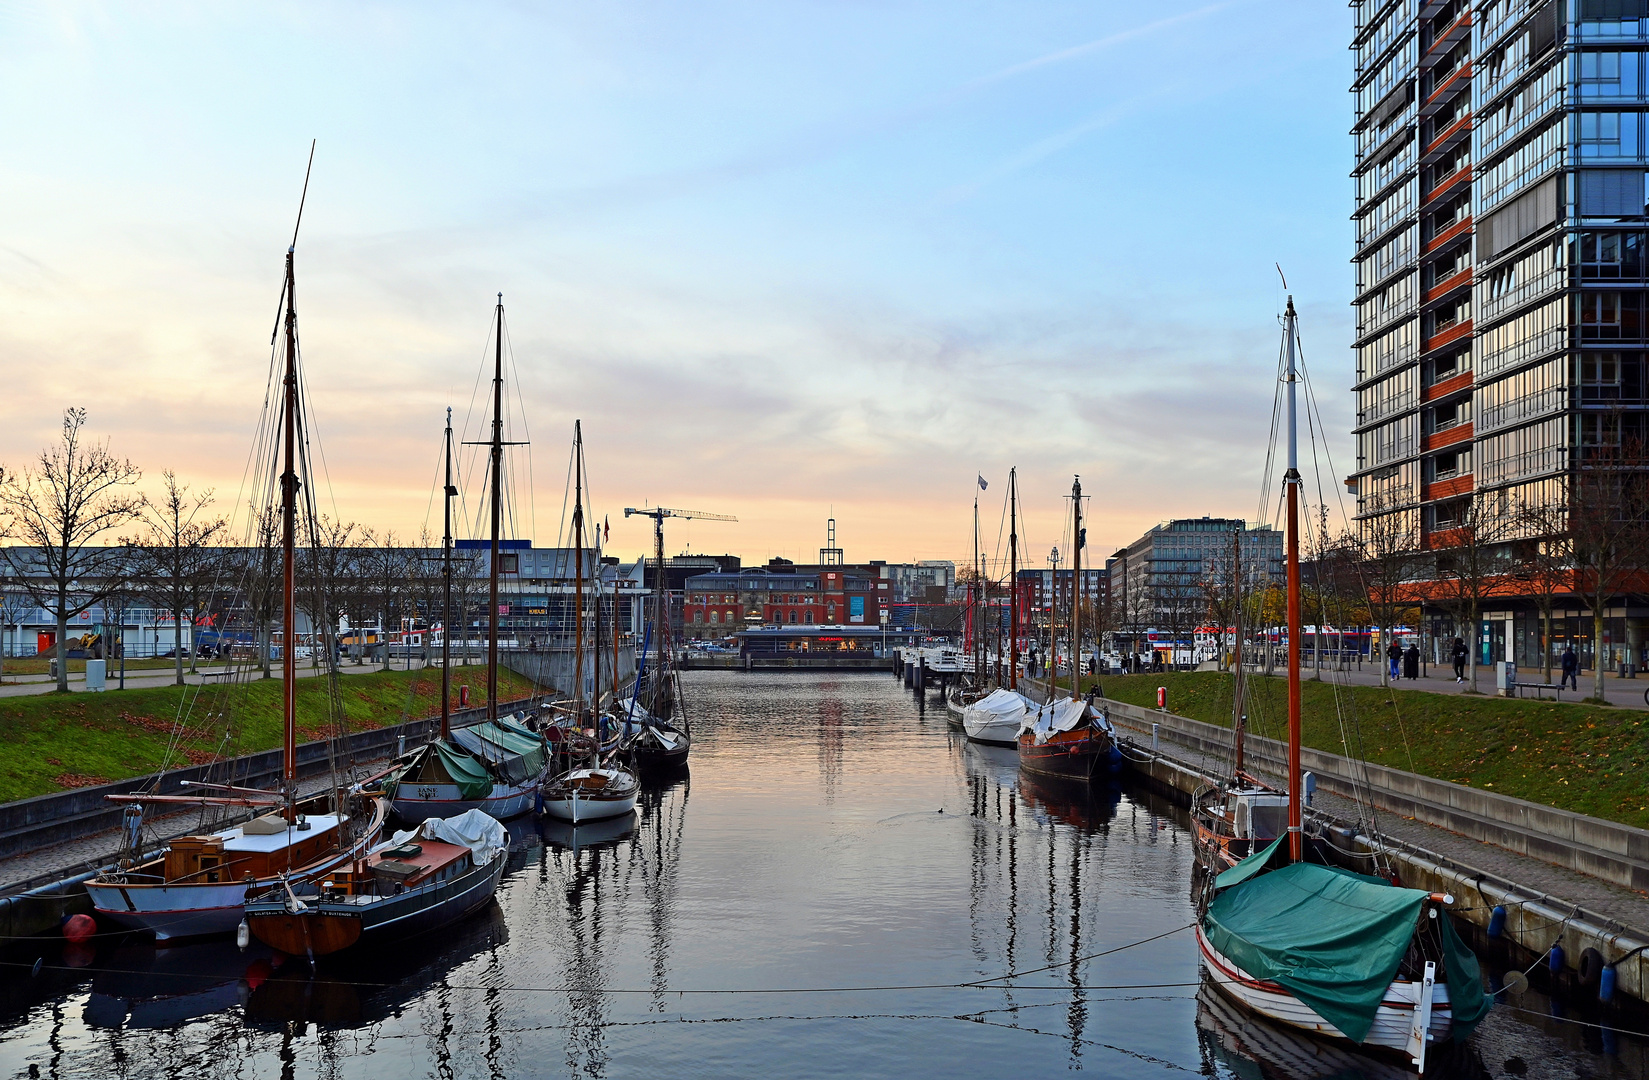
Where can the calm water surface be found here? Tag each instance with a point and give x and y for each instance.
(814, 900)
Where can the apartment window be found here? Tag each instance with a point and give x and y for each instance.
(1443, 417)
(1609, 315)
(1605, 75)
(1609, 135)
(1600, 376)
(1447, 367)
(1598, 429)
(1445, 466)
(1447, 515)
(1606, 255)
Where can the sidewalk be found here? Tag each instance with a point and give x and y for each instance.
(1439, 679)
(27, 685)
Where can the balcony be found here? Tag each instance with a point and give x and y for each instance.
(1446, 139)
(1437, 440)
(1458, 330)
(1457, 229)
(1449, 284)
(1443, 389)
(1443, 186)
(1445, 489)
(1447, 89)
(1450, 37)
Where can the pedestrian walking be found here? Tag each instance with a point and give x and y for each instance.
(1457, 653)
(1411, 662)
(1571, 669)
(1394, 655)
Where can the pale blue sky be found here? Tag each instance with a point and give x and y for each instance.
(779, 257)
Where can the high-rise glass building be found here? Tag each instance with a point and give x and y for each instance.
(1500, 221)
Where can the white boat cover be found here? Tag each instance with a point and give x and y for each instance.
(1062, 714)
(475, 829)
(1000, 710)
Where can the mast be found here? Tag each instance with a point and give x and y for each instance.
(578, 568)
(446, 587)
(1239, 719)
(1076, 588)
(660, 611)
(974, 624)
(1291, 483)
(289, 543)
(497, 513)
(1013, 581)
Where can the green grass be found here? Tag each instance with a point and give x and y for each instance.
(40, 665)
(51, 742)
(1579, 757)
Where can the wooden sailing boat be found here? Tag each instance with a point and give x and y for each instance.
(1068, 737)
(498, 764)
(199, 884)
(601, 787)
(1327, 950)
(996, 718)
(663, 736)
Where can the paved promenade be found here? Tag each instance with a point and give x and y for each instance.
(25, 685)
(1627, 693)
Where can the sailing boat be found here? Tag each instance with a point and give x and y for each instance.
(1068, 737)
(496, 765)
(997, 718)
(1323, 949)
(660, 743)
(199, 885)
(600, 788)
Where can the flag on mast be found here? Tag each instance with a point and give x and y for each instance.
(982, 484)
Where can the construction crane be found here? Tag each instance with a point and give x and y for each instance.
(658, 514)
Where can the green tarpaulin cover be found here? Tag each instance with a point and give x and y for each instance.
(472, 778)
(514, 756)
(1333, 940)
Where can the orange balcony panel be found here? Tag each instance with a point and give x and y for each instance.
(1443, 185)
(1446, 387)
(1461, 329)
(1445, 489)
(1446, 538)
(1462, 278)
(1456, 30)
(1462, 124)
(1461, 226)
(1462, 72)
(1437, 440)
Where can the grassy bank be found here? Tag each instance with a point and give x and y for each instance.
(49, 742)
(41, 665)
(1584, 758)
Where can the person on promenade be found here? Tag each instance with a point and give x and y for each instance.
(1394, 654)
(1571, 669)
(1457, 653)
(1411, 662)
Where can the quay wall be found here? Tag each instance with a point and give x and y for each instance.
(1535, 919)
(728, 662)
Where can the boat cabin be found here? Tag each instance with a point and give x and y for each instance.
(394, 870)
(261, 848)
(1259, 816)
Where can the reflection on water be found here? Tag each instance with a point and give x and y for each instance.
(841, 887)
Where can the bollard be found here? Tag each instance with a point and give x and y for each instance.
(1154, 737)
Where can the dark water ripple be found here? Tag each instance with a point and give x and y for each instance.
(821, 897)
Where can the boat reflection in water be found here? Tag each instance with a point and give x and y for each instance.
(142, 986)
(1253, 1048)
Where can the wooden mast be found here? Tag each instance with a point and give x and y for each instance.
(497, 513)
(661, 621)
(1013, 581)
(578, 568)
(289, 541)
(447, 493)
(1239, 719)
(1076, 588)
(1291, 484)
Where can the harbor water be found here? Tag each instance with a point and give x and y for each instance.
(842, 887)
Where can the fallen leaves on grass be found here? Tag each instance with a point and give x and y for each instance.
(74, 780)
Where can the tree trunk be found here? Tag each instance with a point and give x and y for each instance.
(177, 639)
(263, 647)
(1471, 653)
(1598, 659)
(1546, 642)
(63, 640)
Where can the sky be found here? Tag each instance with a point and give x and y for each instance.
(783, 260)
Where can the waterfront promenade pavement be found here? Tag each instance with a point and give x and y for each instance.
(26, 685)
(1439, 679)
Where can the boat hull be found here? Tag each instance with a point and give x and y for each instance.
(202, 909)
(997, 731)
(581, 808)
(330, 927)
(1073, 755)
(1394, 1020)
(415, 803)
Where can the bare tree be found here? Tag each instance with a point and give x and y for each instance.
(1390, 548)
(1608, 500)
(174, 558)
(74, 495)
(261, 575)
(1472, 562)
(386, 565)
(325, 566)
(1544, 564)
